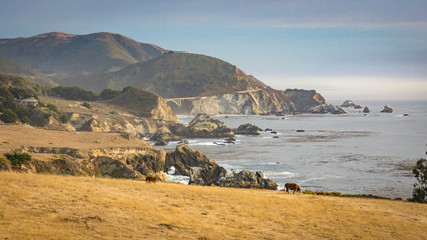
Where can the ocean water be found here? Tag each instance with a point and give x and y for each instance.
(353, 153)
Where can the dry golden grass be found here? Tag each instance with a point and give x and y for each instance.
(36, 206)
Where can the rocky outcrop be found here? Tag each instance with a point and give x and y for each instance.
(366, 110)
(107, 162)
(246, 179)
(208, 175)
(203, 126)
(327, 108)
(357, 107)
(348, 103)
(387, 109)
(184, 159)
(247, 129)
(144, 104)
(195, 164)
(165, 135)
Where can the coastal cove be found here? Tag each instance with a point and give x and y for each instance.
(352, 153)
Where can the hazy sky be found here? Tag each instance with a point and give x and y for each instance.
(344, 49)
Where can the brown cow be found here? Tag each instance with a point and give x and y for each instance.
(151, 179)
(292, 186)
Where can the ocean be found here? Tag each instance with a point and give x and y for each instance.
(352, 153)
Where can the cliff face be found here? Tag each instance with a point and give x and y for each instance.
(144, 104)
(249, 102)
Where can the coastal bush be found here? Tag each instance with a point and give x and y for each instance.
(109, 93)
(25, 120)
(53, 108)
(72, 93)
(87, 105)
(17, 158)
(4, 163)
(64, 118)
(419, 194)
(9, 116)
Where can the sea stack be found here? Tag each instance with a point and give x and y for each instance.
(387, 109)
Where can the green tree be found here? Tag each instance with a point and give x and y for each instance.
(419, 194)
(17, 158)
(9, 116)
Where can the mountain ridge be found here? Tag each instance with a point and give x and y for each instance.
(65, 53)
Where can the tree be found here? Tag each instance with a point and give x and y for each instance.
(419, 194)
(17, 158)
(9, 116)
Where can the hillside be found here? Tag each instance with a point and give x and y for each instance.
(9, 67)
(63, 53)
(173, 75)
(37, 206)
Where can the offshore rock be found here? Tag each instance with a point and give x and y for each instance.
(366, 110)
(387, 109)
(327, 108)
(203, 126)
(247, 129)
(246, 179)
(348, 103)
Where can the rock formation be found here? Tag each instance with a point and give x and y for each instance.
(184, 159)
(203, 126)
(246, 179)
(366, 110)
(327, 108)
(348, 103)
(247, 129)
(387, 109)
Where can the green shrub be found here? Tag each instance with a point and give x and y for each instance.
(4, 163)
(22, 111)
(86, 105)
(26, 120)
(419, 194)
(9, 116)
(53, 108)
(109, 93)
(72, 93)
(17, 158)
(64, 118)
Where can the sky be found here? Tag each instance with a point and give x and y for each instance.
(343, 49)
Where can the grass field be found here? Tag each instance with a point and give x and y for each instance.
(35, 206)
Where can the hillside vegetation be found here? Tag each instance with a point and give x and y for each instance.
(62, 207)
(172, 75)
(63, 53)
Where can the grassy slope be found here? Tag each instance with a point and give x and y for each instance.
(172, 75)
(62, 207)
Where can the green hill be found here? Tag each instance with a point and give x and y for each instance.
(63, 53)
(173, 75)
(8, 67)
